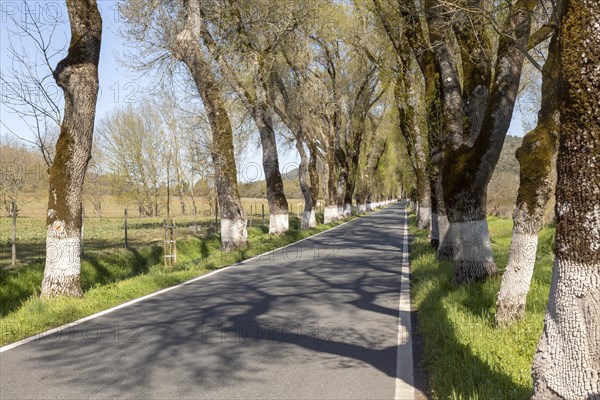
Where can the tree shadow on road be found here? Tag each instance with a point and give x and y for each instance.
(277, 314)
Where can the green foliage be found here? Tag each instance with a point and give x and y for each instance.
(465, 356)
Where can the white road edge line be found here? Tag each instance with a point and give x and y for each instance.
(404, 381)
(148, 296)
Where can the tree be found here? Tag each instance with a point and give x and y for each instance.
(567, 362)
(133, 141)
(77, 75)
(167, 39)
(253, 48)
(307, 162)
(535, 157)
(350, 89)
(186, 48)
(295, 98)
(330, 59)
(478, 110)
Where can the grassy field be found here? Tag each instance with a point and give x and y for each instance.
(465, 356)
(108, 232)
(35, 206)
(113, 275)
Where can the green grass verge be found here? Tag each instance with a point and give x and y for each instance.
(112, 277)
(465, 356)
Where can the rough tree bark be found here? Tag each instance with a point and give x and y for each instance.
(186, 48)
(77, 75)
(567, 362)
(535, 157)
(450, 103)
(474, 148)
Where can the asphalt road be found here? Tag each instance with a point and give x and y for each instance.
(323, 318)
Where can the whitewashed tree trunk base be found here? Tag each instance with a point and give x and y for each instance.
(362, 208)
(330, 214)
(424, 217)
(233, 234)
(473, 255)
(347, 210)
(445, 249)
(567, 362)
(309, 220)
(340, 212)
(278, 223)
(63, 266)
(516, 279)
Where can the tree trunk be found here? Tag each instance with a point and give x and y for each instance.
(278, 205)
(445, 246)
(304, 186)
(77, 75)
(342, 183)
(567, 362)
(435, 141)
(331, 211)
(187, 49)
(313, 174)
(535, 158)
(424, 193)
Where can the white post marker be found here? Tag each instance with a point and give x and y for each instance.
(405, 389)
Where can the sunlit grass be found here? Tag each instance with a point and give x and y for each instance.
(466, 356)
(114, 276)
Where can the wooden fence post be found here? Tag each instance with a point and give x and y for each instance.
(126, 244)
(13, 210)
(195, 225)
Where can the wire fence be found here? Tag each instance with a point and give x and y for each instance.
(22, 239)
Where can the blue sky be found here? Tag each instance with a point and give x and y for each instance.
(118, 85)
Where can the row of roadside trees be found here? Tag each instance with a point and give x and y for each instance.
(433, 81)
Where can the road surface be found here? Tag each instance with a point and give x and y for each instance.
(326, 318)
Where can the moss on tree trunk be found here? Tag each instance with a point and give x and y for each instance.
(567, 362)
(535, 158)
